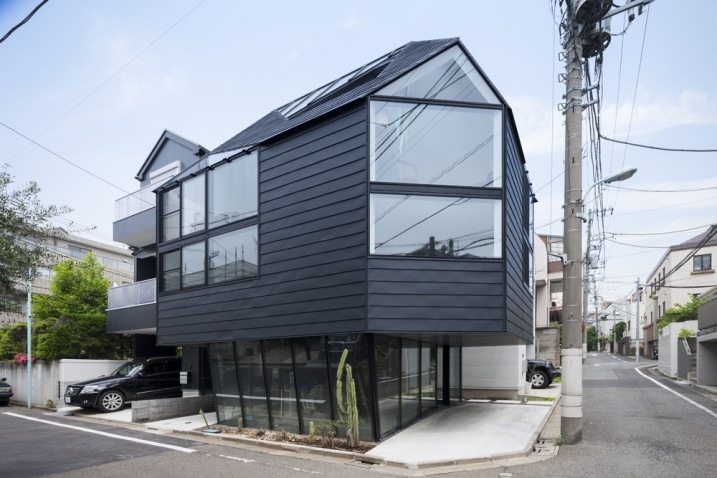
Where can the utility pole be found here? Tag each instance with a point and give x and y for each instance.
(637, 324)
(584, 36)
(586, 288)
(29, 344)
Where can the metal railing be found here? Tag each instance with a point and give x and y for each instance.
(131, 295)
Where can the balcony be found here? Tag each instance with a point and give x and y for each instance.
(135, 221)
(132, 309)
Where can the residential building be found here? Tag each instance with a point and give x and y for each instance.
(548, 267)
(707, 339)
(685, 270)
(386, 213)
(117, 260)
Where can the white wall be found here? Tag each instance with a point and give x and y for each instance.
(494, 368)
(667, 362)
(49, 378)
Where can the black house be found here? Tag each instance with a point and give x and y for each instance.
(387, 213)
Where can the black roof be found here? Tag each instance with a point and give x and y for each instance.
(358, 84)
(362, 82)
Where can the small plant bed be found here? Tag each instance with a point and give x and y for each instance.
(318, 441)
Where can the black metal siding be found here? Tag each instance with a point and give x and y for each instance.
(312, 233)
(519, 298)
(435, 295)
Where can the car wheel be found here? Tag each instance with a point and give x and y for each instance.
(110, 401)
(539, 379)
(4, 403)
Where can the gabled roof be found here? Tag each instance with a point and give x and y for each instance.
(353, 86)
(198, 149)
(358, 84)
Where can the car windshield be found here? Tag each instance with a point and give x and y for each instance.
(127, 369)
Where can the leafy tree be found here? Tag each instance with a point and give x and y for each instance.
(592, 338)
(620, 330)
(24, 231)
(70, 322)
(76, 288)
(13, 340)
(680, 313)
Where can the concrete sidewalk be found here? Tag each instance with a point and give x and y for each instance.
(474, 432)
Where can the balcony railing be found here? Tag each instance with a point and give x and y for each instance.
(137, 201)
(130, 295)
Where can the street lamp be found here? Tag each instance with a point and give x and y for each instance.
(621, 175)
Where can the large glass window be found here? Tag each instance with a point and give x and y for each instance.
(171, 271)
(436, 145)
(233, 191)
(193, 265)
(282, 384)
(233, 255)
(226, 387)
(193, 205)
(312, 377)
(388, 381)
(251, 378)
(449, 76)
(170, 216)
(410, 382)
(410, 225)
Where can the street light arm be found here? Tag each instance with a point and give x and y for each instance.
(621, 175)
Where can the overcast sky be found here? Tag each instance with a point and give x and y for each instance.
(94, 84)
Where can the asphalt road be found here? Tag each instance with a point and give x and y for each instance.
(636, 423)
(633, 427)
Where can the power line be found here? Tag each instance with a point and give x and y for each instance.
(24, 21)
(657, 233)
(663, 190)
(660, 148)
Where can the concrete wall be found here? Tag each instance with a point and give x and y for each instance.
(548, 344)
(155, 410)
(49, 378)
(494, 372)
(668, 357)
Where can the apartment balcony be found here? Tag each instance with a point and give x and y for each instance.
(132, 309)
(135, 221)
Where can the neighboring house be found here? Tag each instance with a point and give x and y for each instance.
(685, 270)
(132, 307)
(119, 267)
(548, 296)
(707, 339)
(386, 213)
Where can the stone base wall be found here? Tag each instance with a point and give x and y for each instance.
(155, 410)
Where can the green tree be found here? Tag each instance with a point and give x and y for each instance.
(24, 231)
(70, 322)
(680, 313)
(13, 340)
(620, 330)
(592, 338)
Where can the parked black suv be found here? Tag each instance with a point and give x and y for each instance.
(541, 373)
(137, 379)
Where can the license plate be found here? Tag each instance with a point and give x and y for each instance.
(67, 399)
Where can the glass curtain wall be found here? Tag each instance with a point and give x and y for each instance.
(288, 383)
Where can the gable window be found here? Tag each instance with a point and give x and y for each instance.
(435, 144)
(703, 262)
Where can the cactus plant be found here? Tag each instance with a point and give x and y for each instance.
(348, 408)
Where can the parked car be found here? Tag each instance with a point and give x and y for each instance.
(5, 392)
(541, 373)
(137, 379)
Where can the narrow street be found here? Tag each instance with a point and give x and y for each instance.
(633, 427)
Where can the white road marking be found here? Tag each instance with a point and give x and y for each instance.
(692, 402)
(110, 435)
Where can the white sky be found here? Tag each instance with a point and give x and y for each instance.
(98, 82)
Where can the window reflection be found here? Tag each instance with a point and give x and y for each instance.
(234, 255)
(312, 377)
(410, 225)
(193, 205)
(226, 387)
(282, 385)
(170, 218)
(437, 145)
(193, 265)
(170, 271)
(410, 382)
(233, 191)
(449, 76)
(251, 379)
(388, 381)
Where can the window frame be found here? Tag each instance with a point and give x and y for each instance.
(700, 258)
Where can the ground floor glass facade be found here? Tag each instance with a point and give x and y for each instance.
(288, 383)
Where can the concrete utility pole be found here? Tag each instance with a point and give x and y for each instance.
(637, 324)
(586, 34)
